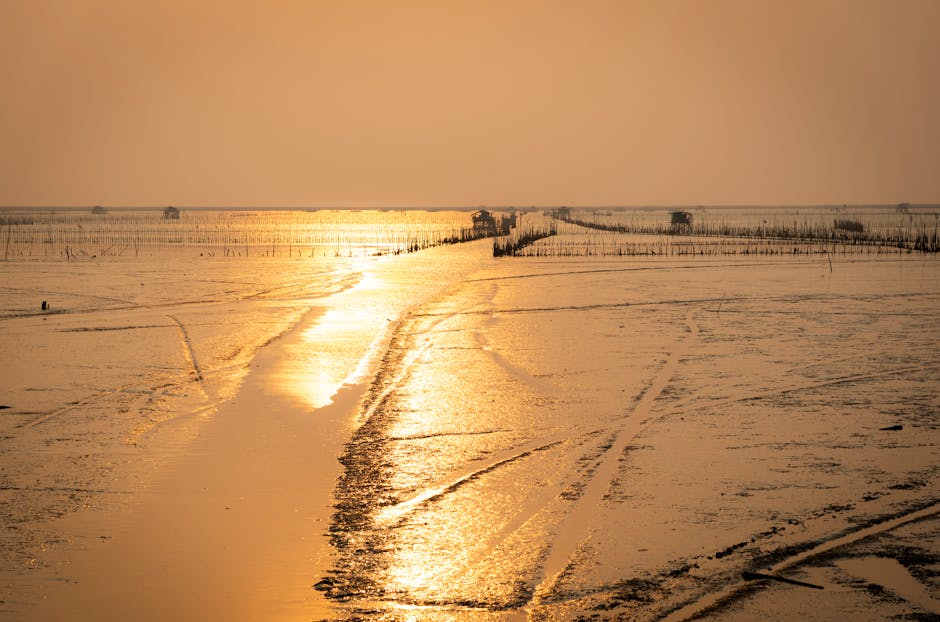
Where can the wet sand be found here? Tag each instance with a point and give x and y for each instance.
(623, 440)
(552, 440)
(204, 489)
(233, 531)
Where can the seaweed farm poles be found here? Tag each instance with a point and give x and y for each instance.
(512, 244)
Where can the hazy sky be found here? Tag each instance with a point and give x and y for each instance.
(401, 102)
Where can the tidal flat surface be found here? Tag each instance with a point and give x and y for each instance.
(608, 439)
(536, 438)
(143, 393)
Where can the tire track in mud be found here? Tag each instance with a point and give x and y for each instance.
(601, 469)
(188, 350)
(686, 405)
(645, 269)
(79, 449)
(571, 530)
(563, 562)
(197, 373)
(572, 434)
(148, 387)
(436, 491)
(533, 505)
(412, 353)
(596, 490)
(682, 267)
(395, 513)
(363, 488)
(367, 508)
(713, 600)
(453, 482)
(594, 307)
(365, 518)
(700, 301)
(335, 286)
(91, 399)
(61, 411)
(519, 373)
(46, 292)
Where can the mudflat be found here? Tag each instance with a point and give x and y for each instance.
(448, 436)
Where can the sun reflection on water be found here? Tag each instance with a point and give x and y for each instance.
(337, 348)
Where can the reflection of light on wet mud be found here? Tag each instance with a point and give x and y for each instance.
(420, 570)
(412, 573)
(393, 513)
(337, 349)
(316, 386)
(553, 458)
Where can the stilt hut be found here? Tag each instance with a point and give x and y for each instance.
(483, 221)
(681, 221)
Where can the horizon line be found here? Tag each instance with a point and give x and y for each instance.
(465, 207)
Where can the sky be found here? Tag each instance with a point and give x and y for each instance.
(291, 103)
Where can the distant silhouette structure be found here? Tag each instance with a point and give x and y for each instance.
(483, 222)
(681, 221)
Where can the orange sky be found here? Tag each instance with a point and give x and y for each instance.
(420, 103)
